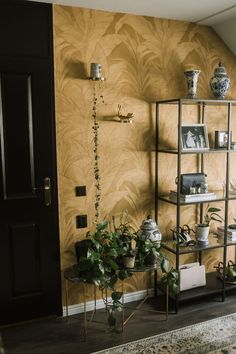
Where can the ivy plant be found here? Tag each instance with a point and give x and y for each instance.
(99, 265)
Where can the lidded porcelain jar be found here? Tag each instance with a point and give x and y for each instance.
(220, 82)
(149, 230)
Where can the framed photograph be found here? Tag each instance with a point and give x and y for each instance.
(194, 137)
(221, 139)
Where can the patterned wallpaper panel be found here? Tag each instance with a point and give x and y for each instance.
(143, 60)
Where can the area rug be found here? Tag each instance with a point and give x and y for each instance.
(216, 336)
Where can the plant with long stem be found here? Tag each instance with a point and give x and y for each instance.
(96, 153)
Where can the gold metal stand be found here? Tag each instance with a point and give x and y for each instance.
(69, 276)
(138, 307)
(77, 280)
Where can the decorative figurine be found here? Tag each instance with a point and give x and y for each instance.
(220, 82)
(122, 118)
(192, 79)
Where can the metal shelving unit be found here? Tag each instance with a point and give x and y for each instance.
(214, 285)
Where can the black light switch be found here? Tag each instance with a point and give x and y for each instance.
(80, 191)
(81, 221)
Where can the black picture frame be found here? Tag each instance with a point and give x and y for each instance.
(194, 137)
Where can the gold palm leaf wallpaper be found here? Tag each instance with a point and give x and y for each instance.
(143, 60)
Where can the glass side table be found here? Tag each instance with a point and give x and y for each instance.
(70, 274)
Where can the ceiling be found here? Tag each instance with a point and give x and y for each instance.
(220, 14)
(188, 10)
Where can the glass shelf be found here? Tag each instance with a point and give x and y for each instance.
(167, 150)
(198, 101)
(214, 242)
(219, 197)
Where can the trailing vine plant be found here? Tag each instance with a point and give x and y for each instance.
(96, 152)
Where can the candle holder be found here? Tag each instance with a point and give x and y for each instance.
(96, 72)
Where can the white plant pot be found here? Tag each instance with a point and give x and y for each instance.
(202, 233)
(129, 262)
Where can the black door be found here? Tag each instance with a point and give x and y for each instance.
(29, 241)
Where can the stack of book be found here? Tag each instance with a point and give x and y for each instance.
(188, 198)
(231, 233)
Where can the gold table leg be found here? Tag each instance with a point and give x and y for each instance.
(66, 295)
(95, 299)
(85, 314)
(167, 301)
(123, 309)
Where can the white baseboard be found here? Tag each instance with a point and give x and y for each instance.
(129, 297)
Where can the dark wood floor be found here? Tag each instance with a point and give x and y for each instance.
(58, 336)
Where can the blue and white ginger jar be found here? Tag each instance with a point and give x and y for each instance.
(220, 82)
(149, 230)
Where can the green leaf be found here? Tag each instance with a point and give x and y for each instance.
(96, 243)
(174, 288)
(113, 252)
(111, 318)
(123, 274)
(213, 210)
(102, 225)
(164, 279)
(102, 269)
(97, 282)
(213, 218)
(218, 216)
(113, 280)
(92, 255)
(165, 265)
(116, 295)
(155, 252)
(113, 264)
(174, 274)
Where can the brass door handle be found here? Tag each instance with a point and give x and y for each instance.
(47, 191)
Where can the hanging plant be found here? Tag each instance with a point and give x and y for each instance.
(96, 152)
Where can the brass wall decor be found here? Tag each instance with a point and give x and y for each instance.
(122, 118)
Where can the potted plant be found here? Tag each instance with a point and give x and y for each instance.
(149, 254)
(129, 258)
(127, 240)
(148, 251)
(99, 261)
(98, 264)
(170, 276)
(202, 229)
